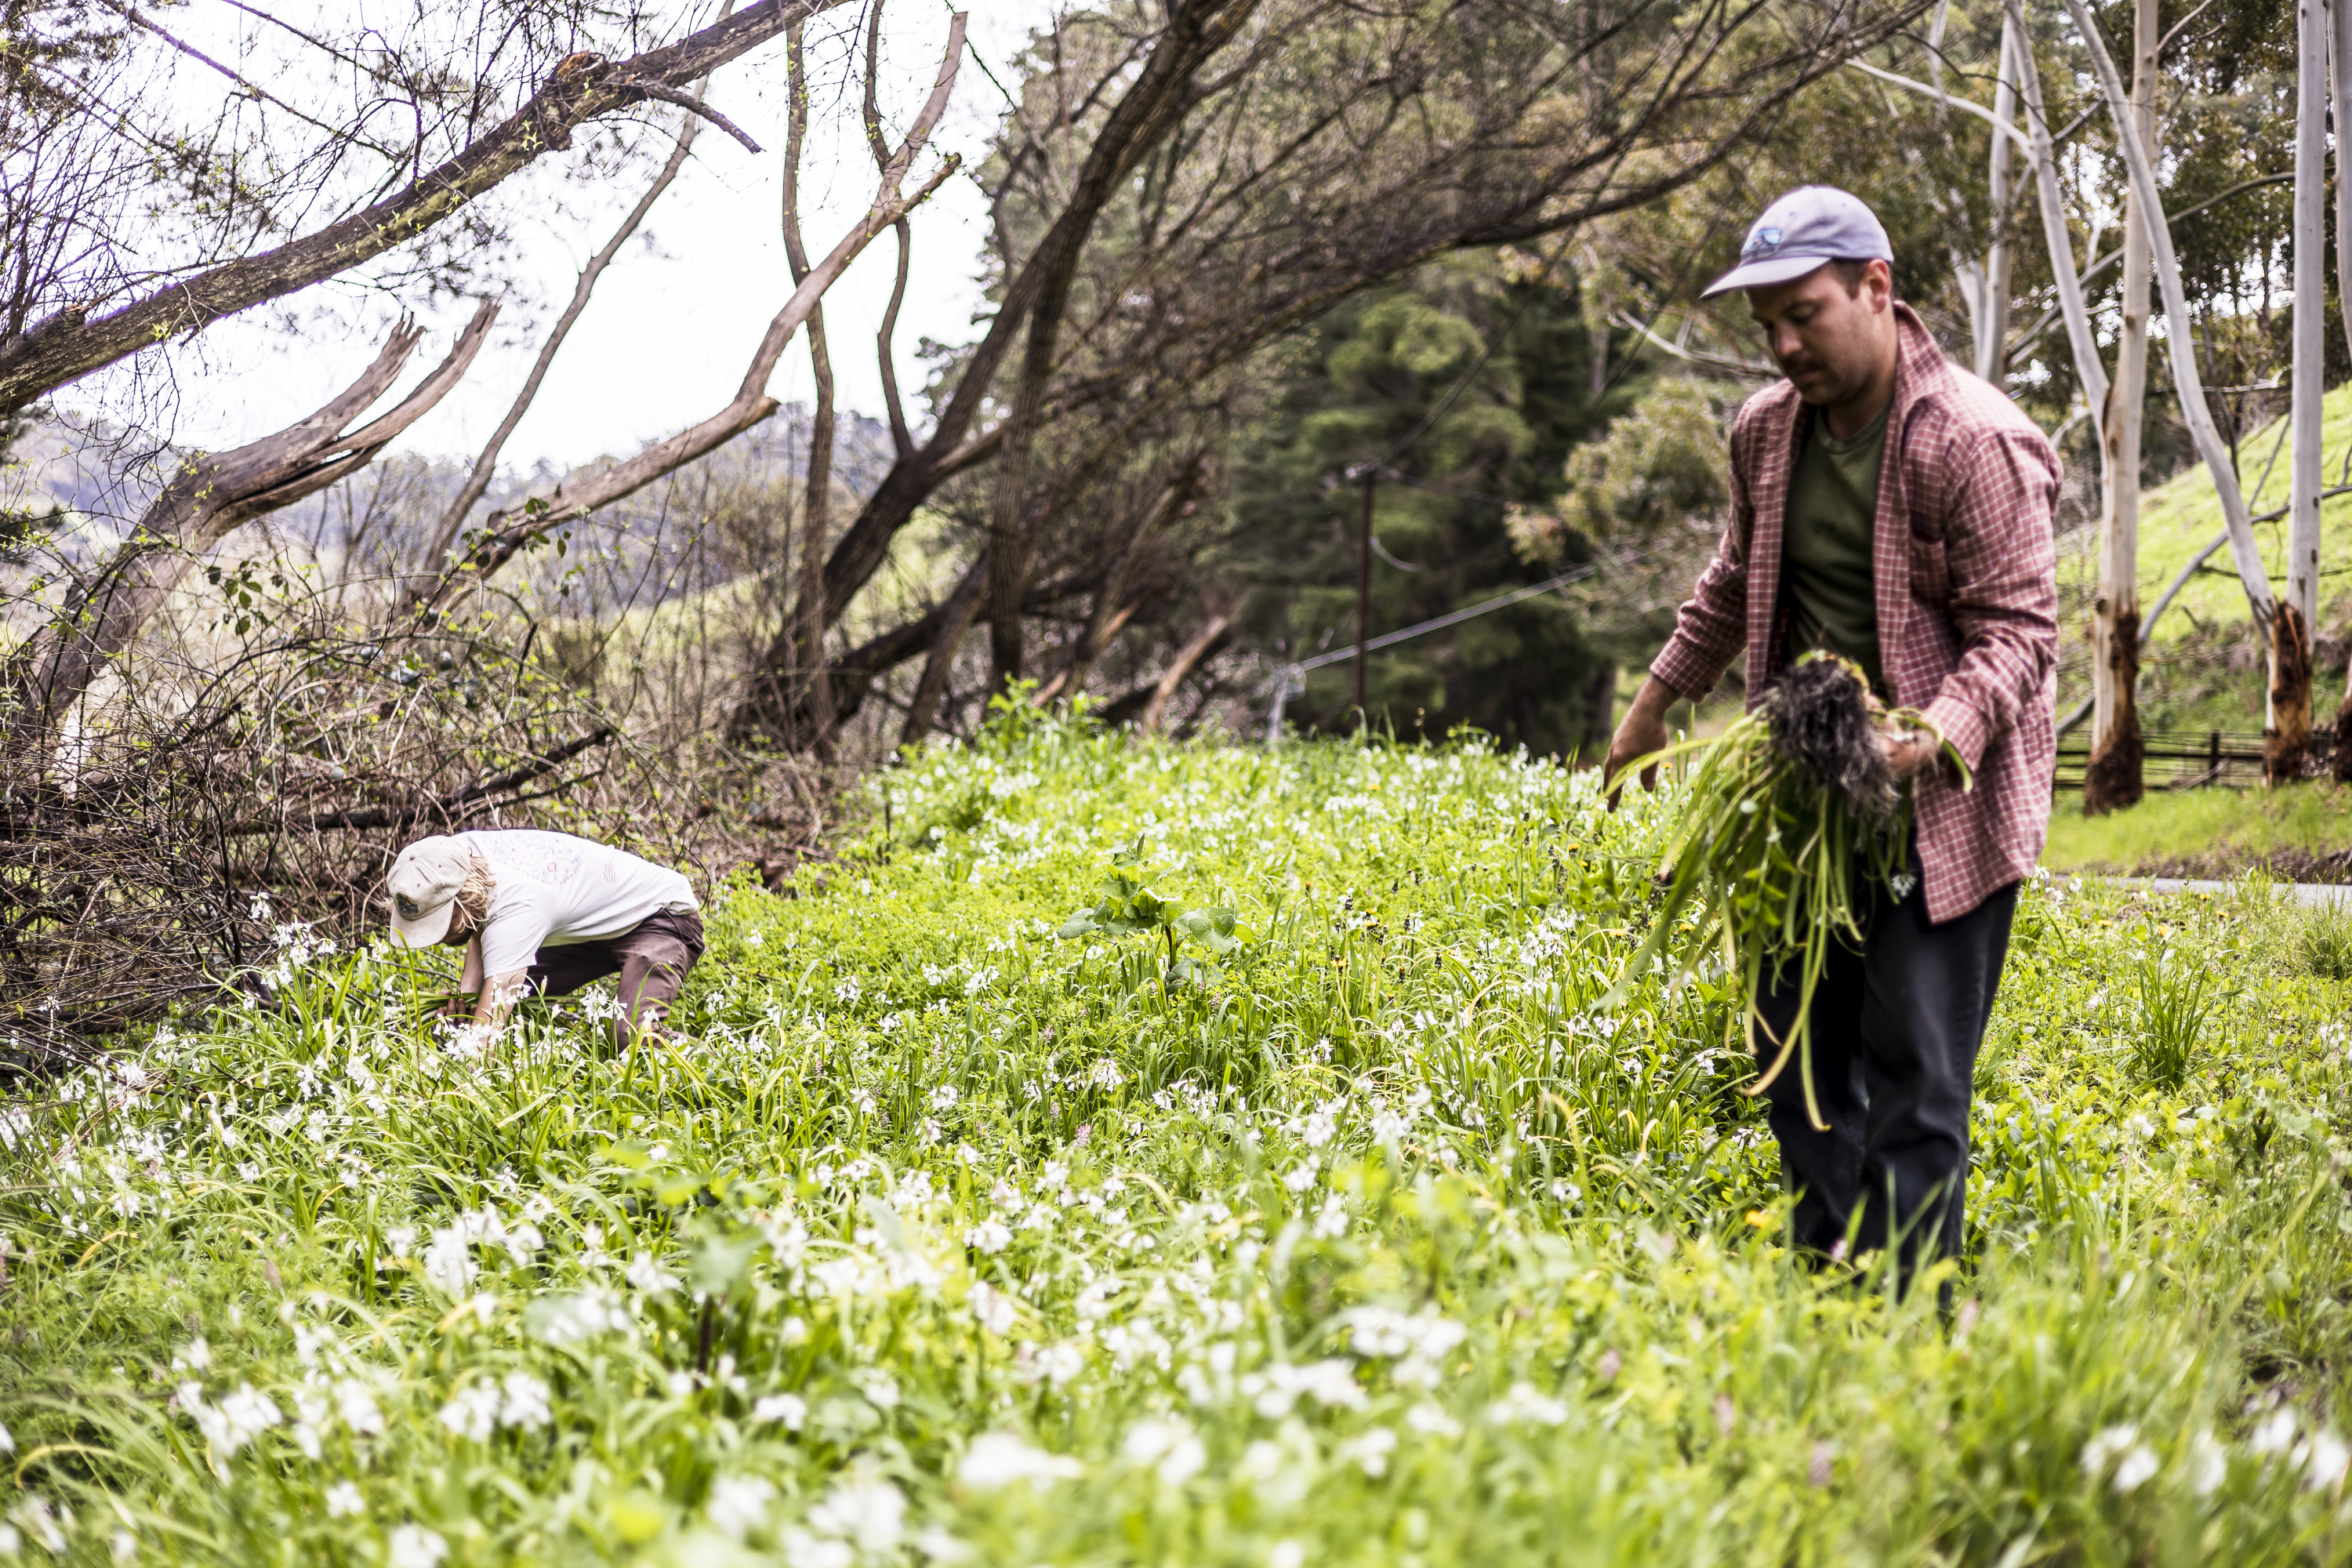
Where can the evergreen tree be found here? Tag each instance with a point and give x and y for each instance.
(1463, 392)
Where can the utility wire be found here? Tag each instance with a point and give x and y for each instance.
(1290, 680)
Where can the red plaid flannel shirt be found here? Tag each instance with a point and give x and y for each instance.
(1968, 602)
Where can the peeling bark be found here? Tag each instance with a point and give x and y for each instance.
(2287, 740)
(2114, 781)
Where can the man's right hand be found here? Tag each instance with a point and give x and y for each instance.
(1641, 733)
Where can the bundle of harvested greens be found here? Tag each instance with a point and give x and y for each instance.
(1790, 816)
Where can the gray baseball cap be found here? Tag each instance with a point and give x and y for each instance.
(1810, 226)
(424, 886)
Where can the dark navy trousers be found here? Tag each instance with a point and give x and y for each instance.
(1895, 1028)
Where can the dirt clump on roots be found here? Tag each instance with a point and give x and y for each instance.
(1824, 720)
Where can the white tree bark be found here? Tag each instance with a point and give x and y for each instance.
(2088, 370)
(1992, 310)
(2290, 727)
(2179, 339)
(2340, 33)
(2114, 778)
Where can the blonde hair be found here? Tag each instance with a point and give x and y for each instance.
(474, 892)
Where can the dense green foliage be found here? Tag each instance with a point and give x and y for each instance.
(941, 1238)
(1469, 391)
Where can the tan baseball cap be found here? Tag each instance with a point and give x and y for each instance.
(424, 886)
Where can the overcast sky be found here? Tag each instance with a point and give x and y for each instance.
(672, 325)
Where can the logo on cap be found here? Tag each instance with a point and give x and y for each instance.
(409, 908)
(1766, 241)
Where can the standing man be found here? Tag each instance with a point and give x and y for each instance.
(1892, 507)
(551, 913)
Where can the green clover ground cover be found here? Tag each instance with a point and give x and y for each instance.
(1339, 1229)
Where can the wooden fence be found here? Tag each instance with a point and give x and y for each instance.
(2184, 759)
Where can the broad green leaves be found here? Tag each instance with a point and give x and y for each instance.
(1124, 907)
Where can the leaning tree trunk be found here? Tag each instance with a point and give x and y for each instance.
(2179, 336)
(2113, 778)
(2287, 737)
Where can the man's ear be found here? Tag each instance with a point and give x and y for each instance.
(1879, 279)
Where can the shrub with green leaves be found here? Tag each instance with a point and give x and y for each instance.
(937, 1239)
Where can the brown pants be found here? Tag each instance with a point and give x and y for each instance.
(651, 961)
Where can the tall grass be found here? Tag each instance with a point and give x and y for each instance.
(940, 1240)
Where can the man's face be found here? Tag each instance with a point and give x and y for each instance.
(1827, 342)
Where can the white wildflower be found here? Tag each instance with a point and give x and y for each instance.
(1000, 1458)
(1383, 1331)
(449, 1266)
(1433, 1420)
(2208, 1463)
(1370, 1451)
(2104, 1446)
(413, 1546)
(473, 1413)
(2323, 1459)
(992, 1309)
(2276, 1435)
(1172, 1445)
(789, 1408)
(566, 1319)
(871, 1515)
(356, 1402)
(988, 1235)
(2136, 1467)
(1329, 1383)
(737, 1505)
(527, 1405)
(647, 1275)
(343, 1500)
(1524, 1407)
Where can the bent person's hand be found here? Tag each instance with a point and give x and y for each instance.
(1642, 733)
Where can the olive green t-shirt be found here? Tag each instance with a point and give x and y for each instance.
(1826, 571)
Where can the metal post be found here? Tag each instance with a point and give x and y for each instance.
(1363, 591)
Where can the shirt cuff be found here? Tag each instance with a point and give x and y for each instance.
(1961, 726)
(1685, 669)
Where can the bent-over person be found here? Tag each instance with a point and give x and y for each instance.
(1890, 506)
(548, 912)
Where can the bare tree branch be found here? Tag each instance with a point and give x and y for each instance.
(212, 495)
(583, 87)
(509, 530)
(486, 465)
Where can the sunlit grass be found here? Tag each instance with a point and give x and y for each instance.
(2218, 828)
(943, 1239)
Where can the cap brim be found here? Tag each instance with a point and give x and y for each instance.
(428, 929)
(1766, 273)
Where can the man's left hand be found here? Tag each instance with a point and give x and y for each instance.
(1909, 752)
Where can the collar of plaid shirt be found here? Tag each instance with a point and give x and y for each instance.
(1965, 584)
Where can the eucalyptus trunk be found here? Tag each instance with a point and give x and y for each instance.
(2340, 87)
(1992, 311)
(2287, 737)
(2114, 779)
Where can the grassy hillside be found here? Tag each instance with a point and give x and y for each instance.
(2194, 677)
(2298, 831)
(940, 1239)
